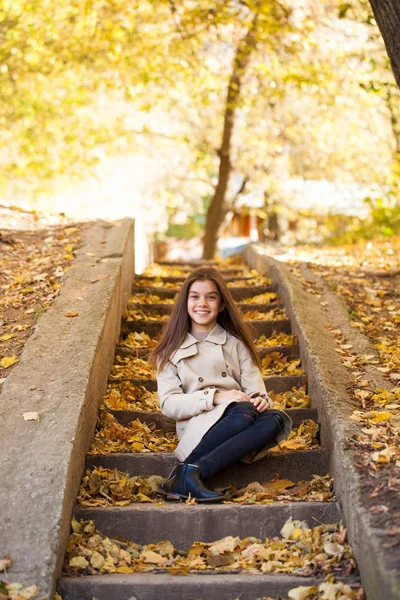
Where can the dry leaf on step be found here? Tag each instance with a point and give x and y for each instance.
(31, 416)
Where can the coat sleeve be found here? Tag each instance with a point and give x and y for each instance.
(251, 380)
(174, 403)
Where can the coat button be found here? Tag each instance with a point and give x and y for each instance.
(206, 392)
(201, 379)
(223, 374)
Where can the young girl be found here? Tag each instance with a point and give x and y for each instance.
(209, 381)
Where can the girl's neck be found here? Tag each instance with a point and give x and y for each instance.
(200, 335)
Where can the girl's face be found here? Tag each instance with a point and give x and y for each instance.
(204, 303)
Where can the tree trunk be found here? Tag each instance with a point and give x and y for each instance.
(215, 213)
(387, 15)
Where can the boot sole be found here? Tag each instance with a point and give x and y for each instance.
(182, 498)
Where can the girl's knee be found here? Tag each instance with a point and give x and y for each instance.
(274, 416)
(247, 410)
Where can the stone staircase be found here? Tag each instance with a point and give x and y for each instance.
(184, 523)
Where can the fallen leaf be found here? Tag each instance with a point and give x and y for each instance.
(8, 361)
(71, 314)
(227, 544)
(153, 558)
(333, 548)
(97, 560)
(5, 563)
(302, 592)
(79, 561)
(124, 569)
(6, 336)
(31, 416)
(99, 278)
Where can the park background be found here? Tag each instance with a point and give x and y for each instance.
(206, 121)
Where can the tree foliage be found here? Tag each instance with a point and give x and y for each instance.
(249, 91)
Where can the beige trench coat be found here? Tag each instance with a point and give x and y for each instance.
(188, 382)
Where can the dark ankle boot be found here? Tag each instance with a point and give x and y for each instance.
(185, 480)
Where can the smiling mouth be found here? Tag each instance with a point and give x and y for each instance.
(202, 313)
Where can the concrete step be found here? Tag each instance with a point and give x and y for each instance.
(227, 275)
(238, 293)
(276, 383)
(163, 586)
(126, 416)
(184, 524)
(296, 466)
(161, 292)
(195, 262)
(291, 351)
(153, 328)
(166, 309)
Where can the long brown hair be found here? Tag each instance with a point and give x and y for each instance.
(178, 325)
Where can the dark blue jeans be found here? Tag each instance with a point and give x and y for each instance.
(240, 430)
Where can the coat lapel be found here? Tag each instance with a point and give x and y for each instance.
(186, 349)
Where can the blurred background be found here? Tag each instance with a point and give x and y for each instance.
(213, 123)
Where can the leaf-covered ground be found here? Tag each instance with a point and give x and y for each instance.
(124, 395)
(265, 298)
(327, 590)
(143, 298)
(137, 314)
(366, 278)
(300, 550)
(277, 364)
(277, 314)
(138, 340)
(278, 339)
(14, 590)
(111, 436)
(131, 367)
(111, 487)
(33, 264)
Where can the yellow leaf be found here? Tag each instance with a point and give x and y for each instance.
(76, 527)
(296, 533)
(384, 456)
(302, 592)
(227, 544)
(8, 361)
(79, 561)
(6, 336)
(153, 558)
(137, 446)
(384, 416)
(97, 560)
(277, 486)
(71, 314)
(67, 256)
(124, 569)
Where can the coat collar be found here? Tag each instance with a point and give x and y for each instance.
(216, 336)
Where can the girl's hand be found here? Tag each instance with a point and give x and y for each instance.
(229, 395)
(260, 403)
